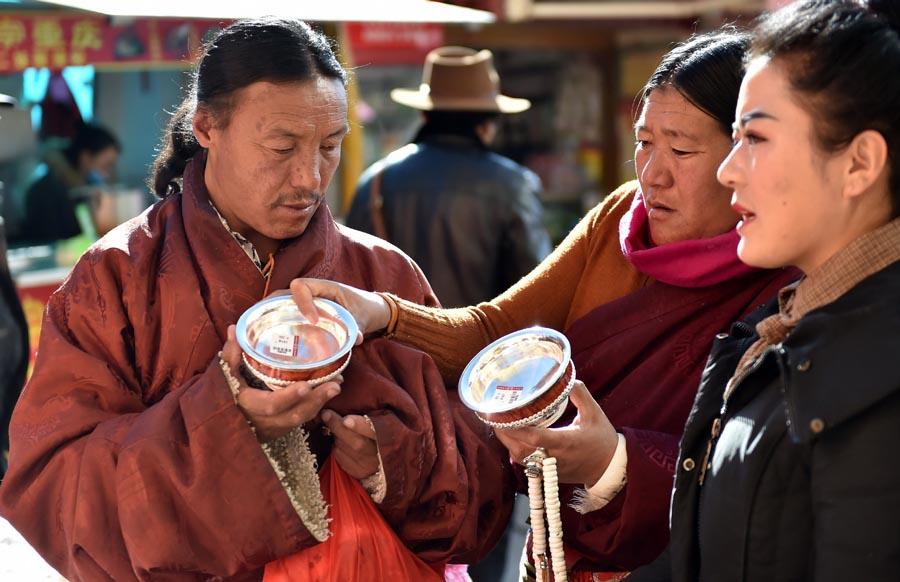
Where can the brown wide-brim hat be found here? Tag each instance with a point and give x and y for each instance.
(457, 78)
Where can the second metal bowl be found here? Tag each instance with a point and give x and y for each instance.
(522, 379)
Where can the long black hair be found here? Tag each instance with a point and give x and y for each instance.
(265, 49)
(843, 59)
(707, 70)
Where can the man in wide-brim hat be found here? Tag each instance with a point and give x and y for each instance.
(469, 217)
(456, 78)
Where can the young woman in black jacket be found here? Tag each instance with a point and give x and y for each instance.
(788, 468)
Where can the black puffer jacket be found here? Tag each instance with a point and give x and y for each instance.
(804, 483)
(470, 218)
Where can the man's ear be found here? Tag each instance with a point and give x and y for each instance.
(868, 155)
(202, 125)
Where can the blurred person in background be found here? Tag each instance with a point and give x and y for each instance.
(14, 354)
(470, 218)
(14, 128)
(72, 178)
(641, 287)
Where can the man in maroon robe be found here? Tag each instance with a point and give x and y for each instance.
(136, 455)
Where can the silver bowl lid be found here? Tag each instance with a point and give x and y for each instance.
(514, 370)
(275, 333)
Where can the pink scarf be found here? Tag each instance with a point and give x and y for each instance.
(687, 263)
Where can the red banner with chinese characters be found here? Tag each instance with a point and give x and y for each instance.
(388, 43)
(56, 40)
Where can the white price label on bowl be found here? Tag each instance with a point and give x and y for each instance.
(286, 345)
(507, 394)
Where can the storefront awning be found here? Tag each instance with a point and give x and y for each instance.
(314, 10)
(517, 10)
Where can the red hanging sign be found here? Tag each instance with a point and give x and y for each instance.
(55, 40)
(387, 43)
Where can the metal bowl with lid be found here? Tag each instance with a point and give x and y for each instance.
(280, 346)
(522, 379)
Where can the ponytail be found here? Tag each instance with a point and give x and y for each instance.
(178, 147)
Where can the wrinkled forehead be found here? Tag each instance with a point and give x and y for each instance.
(666, 111)
(317, 106)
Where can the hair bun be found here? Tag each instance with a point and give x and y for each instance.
(889, 10)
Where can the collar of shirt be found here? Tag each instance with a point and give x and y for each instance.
(863, 257)
(848, 267)
(240, 239)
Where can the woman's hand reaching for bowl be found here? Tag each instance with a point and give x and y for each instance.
(370, 310)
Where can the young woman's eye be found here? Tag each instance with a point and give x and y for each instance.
(748, 137)
(753, 139)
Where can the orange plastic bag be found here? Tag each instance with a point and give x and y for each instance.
(362, 546)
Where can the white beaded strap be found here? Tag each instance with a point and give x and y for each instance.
(554, 522)
(533, 468)
(538, 466)
(277, 383)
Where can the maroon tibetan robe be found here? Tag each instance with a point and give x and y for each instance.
(129, 457)
(641, 357)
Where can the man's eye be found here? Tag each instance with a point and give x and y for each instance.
(681, 152)
(642, 143)
(282, 151)
(331, 147)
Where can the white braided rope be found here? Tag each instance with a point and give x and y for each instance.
(554, 522)
(536, 506)
(277, 383)
(543, 499)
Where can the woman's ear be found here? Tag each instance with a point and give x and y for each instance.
(202, 125)
(868, 158)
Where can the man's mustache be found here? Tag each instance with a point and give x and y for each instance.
(303, 199)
